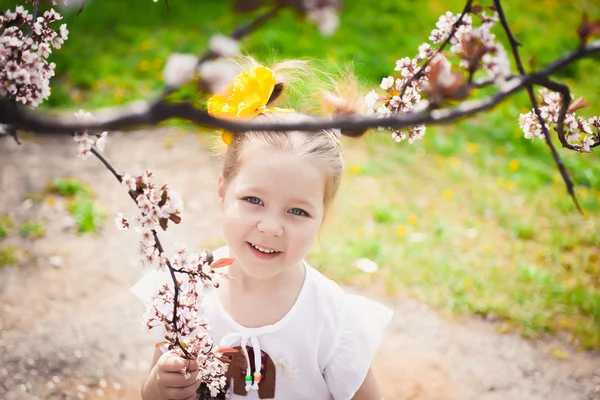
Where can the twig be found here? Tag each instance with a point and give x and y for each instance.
(565, 93)
(81, 8)
(455, 26)
(514, 44)
(160, 249)
(107, 164)
(237, 34)
(145, 113)
(566, 102)
(33, 17)
(176, 292)
(242, 31)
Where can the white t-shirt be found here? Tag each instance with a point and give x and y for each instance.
(322, 348)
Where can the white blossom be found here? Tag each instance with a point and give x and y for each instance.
(224, 46)
(128, 182)
(24, 71)
(371, 99)
(586, 144)
(122, 222)
(326, 19)
(179, 69)
(387, 83)
(87, 141)
(577, 130)
(217, 74)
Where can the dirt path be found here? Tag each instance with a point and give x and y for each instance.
(69, 327)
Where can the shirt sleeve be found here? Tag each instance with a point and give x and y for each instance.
(362, 324)
(145, 289)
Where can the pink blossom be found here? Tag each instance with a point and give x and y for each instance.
(578, 131)
(27, 55)
(122, 222)
(586, 144)
(128, 182)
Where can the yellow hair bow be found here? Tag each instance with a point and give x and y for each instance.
(245, 98)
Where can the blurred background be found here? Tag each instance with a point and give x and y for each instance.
(494, 275)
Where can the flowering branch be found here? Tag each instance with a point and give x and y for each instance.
(158, 245)
(566, 99)
(184, 324)
(143, 113)
(419, 74)
(220, 47)
(567, 109)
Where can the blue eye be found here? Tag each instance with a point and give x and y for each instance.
(299, 212)
(253, 200)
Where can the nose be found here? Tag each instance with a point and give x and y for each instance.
(271, 226)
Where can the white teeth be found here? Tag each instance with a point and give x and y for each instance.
(262, 250)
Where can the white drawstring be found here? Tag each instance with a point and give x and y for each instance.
(257, 361)
(230, 339)
(248, 377)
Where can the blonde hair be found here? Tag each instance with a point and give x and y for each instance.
(322, 146)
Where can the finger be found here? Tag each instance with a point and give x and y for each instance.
(176, 379)
(172, 362)
(192, 397)
(191, 365)
(182, 393)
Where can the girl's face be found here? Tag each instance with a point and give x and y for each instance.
(273, 210)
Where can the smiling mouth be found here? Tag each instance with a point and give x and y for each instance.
(263, 250)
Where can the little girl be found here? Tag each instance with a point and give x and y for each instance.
(299, 334)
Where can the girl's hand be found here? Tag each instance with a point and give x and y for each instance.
(169, 383)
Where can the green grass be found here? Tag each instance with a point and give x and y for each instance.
(117, 49)
(473, 219)
(69, 187)
(33, 229)
(87, 213)
(85, 210)
(465, 233)
(9, 255)
(6, 224)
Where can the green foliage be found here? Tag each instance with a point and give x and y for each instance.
(6, 224)
(116, 50)
(496, 233)
(33, 229)
(385, 214)
(87, 213)
(35, 197)
(471, 231)
(69, 187)
(9, 255)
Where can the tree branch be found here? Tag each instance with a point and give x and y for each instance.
(238, 34)
(565, 104)
(145, 113)
(33, 17)
(455, 26)
(514, 44)
(160, 249)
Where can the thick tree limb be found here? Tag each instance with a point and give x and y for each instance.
(146, 113)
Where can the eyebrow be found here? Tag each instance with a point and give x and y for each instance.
(302, 202)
